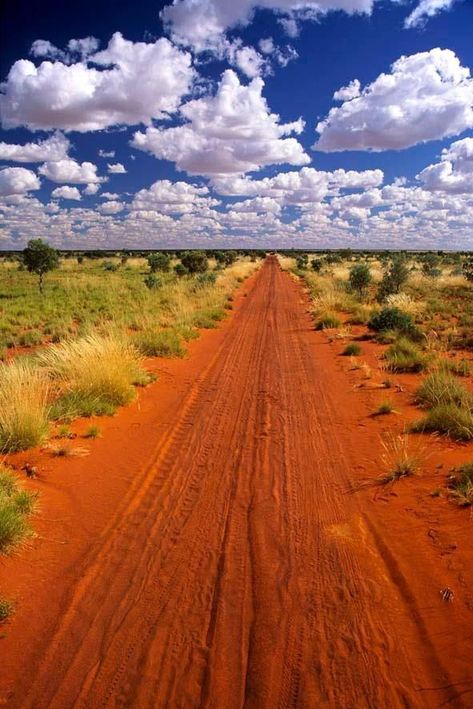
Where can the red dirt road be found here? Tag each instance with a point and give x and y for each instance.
(241, 570)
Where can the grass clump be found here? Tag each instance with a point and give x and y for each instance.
(159, 343)
(399, 461)
(405, 356)
(327, 321)
(384, 408)
(462, 485)
(24, 394)
(442, 388)
(459, 367)
(93, 374)
(15, 506)
(352, 349)
(92, 432)
(450, 419)
(7, 609)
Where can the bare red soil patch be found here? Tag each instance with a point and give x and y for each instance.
(212, 550)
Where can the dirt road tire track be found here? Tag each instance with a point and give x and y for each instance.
(242, 573)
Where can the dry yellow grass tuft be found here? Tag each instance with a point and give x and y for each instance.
(24, 392)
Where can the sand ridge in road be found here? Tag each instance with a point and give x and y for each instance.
(243, 573)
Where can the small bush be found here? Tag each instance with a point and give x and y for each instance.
(195, 261)
(360, 278)
(404, 356)
(205, 279)
(450, 419)
(352, 349)
(152, 282)
(462, 485)
(327, 321)
(159, 262)
(159, 343)
(15, 506)
(441, 388)
(391, 319)
(24, 394)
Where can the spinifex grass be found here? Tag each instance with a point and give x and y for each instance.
(15, 506)
(24, 391)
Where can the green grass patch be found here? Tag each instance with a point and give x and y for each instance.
(16, 505)
(327, 321)
(159, 343)
(442, 388)
(449, 419)
(405, 356)
(352, 350)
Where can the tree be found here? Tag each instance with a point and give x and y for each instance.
(195, 261)
(159, 262)
(360, 278)
(40, 258)
(394, 278)
(317, 264)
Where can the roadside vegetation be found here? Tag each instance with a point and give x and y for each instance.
(417, 310)
(76, 329)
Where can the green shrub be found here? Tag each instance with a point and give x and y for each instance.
(180, 270)
(327, 321)
(404, 356)
(360, 278)
(195, 261)
(450, 419)
(391, 319)
(152, 282)
(352, 349)
(159, 262)
(205, 279)
(159, 343)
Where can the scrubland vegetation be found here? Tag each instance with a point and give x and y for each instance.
(418, 308)
(75, 346)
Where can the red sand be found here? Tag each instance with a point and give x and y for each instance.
(210, 551)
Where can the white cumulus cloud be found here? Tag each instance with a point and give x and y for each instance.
(116, 169)
(427, 96)
(232, 132)
(454, 172)
(136, 82)
(69, 170)
(54, 148)
(66, 192)
(169, 197)
(17, 181)
(200, 23)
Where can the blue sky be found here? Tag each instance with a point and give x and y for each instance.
(196, 125)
